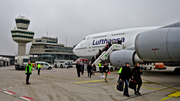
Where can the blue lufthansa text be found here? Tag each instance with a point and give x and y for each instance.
(105, 41)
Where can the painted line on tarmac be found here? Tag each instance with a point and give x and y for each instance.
(5, 89)
(161, 84)
(9, 92)
(59, 77)
(26, 98)
(175, 95)
(92, 81)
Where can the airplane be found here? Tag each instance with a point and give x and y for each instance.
(145, 44)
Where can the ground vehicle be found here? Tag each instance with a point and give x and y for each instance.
(63, 64)
(21, 61)
(44, 65)
(159, 65)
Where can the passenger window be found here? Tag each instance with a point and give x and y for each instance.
(46, 64)
(41, 63)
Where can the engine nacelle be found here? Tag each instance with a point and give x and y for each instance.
(119, 58)
(159, 45)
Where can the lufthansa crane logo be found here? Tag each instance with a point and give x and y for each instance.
(154, 49)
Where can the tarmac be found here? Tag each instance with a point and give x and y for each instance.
(61, 84)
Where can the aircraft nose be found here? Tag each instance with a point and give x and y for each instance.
(75, 51)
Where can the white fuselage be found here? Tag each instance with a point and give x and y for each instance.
(90, 45)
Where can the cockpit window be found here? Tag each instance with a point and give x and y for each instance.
(84, 39)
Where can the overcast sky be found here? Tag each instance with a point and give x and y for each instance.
(76, 19)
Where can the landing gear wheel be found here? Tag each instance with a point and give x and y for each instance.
(61, 66)
(177, 71)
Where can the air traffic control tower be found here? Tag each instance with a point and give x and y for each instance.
(21, 35)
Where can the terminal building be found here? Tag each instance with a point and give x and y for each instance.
(47, 49)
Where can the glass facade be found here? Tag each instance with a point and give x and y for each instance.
(22, 32)
(45, 41)
(50, 52)
(22, 36)
(22, 21)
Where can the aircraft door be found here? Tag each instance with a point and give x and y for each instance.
(89, 46)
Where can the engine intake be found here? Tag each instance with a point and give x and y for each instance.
(159, 45)
(119, 58)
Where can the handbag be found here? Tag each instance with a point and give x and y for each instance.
(132, 84)
(120, 85)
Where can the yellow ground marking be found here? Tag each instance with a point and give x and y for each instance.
(165, 98)
(153, 89)
(176, 94)
(92, 81)
(161, 85)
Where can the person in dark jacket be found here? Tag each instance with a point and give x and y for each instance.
(105, 70)
(82, 68)
(119, 41)
(93, 59)
(125, 76)
(106, 48)
(109, 44)
(78, 67)
(93, 69)
(136, 75)
(89, 68)
(100, 52)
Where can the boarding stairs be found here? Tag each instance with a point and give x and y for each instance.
(104, 55)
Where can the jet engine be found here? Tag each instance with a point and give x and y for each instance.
(120, 57)
(159, 45)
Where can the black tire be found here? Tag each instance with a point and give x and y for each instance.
(49, 68)
(61, 66)
(145, 68)
(150, 68)
(55, 66)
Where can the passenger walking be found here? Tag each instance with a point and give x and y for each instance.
(136, 75)
(105, 70)
(28, 72)
(106, 48)
(97, 55)
(89, 67)
(93, 69)
(39, 68)
(109, 44)
(119, 41)
(82, 68)
(100, 52)
(93, 59)
(125, 76)
(78, 67)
